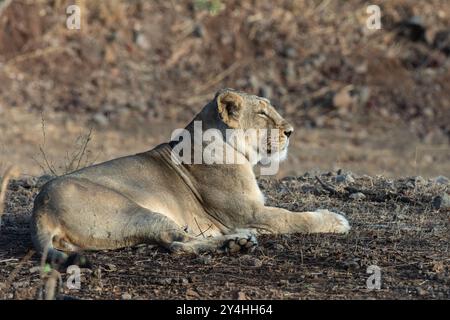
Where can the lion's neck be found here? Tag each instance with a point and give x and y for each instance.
(205, 133)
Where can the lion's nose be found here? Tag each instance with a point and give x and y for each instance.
(288, 131)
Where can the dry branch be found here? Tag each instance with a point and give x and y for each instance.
(370, 195)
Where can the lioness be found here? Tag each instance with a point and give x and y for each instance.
(150, 198)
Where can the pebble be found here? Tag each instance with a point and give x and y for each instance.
(441, 180)
(203, 260)
(250, 261)
(29, 182)
(192, 294)
(163, 281)
(265, 91)
(421, 291)
(239, 295)
(142, 41)
(100, 119)
(126, 296)
(345, 178)
(289, 52)
(412, 28)
(343, 99)
(419, 180)
(442, 41)
(357, 196)
(110, 267)
(441, 202)
(199, 31)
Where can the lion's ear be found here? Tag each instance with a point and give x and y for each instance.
(229, 106)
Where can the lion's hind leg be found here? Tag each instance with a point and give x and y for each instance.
(242, 240)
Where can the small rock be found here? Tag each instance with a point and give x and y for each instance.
(441, 202)
(97, 273)
(29, 182)
(265, 91)
(20, 284)
(442, 41)
(203, 260)
(110, 267)
(239, 295)
(351, 264)
(289, 52)
(35, 269)
(250, 261)
(421, 291)
(289, 71)
(357, 196)
(100, 119)
(126, 296)
(343, 99)
(363, 96)
(108, 108)
(192, 294)
(344, 178)
(419, 180)
(253, 82)
(410, 185)
(142, 42)
(195, 278)
(164, 281)
(412, 29)
(441, 180)
(199, 30)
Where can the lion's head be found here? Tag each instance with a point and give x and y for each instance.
(266, 131)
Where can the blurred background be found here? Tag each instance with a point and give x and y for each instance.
(370, 101)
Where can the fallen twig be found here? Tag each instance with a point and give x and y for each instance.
(371, 195)
(380, 197)
(8, 260)
(328, 188)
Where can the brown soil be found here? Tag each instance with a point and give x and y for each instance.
(373, 101)
(395, 228)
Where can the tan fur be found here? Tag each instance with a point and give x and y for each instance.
(185, 207)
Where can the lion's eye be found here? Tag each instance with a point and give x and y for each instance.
(262, 114)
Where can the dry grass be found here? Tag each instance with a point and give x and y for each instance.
(80, 156)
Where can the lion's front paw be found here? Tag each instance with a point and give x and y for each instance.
(333, 222)
(245, 242)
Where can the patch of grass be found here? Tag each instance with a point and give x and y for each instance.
(212, 6)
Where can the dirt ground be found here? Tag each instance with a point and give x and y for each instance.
(371, 101)
(395, 228)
